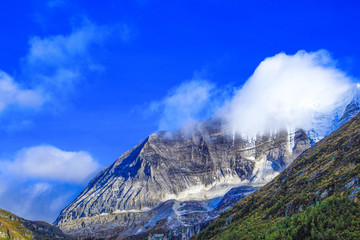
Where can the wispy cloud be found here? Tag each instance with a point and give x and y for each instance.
(55, 3)
(284, 92)
(189, 102)
(11, 94)
(39, 200)
(55, 65)
(60, 61)
(38, 189)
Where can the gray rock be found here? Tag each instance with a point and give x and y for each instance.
(324, 194)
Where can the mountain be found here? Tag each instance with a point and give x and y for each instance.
(175, 183)
(14, 227)
(200, 166)
(316, 197)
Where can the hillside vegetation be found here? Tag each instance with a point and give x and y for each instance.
(14, 227)
(314, 198)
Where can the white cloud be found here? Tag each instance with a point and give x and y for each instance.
(45, 178)
(51, 163)
(184, 105)
(12, 94)
(284, 92)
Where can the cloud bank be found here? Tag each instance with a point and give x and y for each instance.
(51, 163)
(285, 92)
(45, 178)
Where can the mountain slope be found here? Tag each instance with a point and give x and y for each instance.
(14, 227)
(191, 167)
(329, 170)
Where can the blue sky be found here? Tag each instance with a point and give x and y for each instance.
(89, 80)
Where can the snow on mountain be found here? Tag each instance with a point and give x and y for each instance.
(347, 106)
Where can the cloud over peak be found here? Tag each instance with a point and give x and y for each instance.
(186, 104)
(285, 92)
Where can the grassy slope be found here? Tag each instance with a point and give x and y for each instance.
(11, 228)
(14, 227)
(322, 178)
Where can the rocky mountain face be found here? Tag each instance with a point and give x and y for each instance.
(175, 166)
(316, 197)
(173, 183)
(14, 227)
